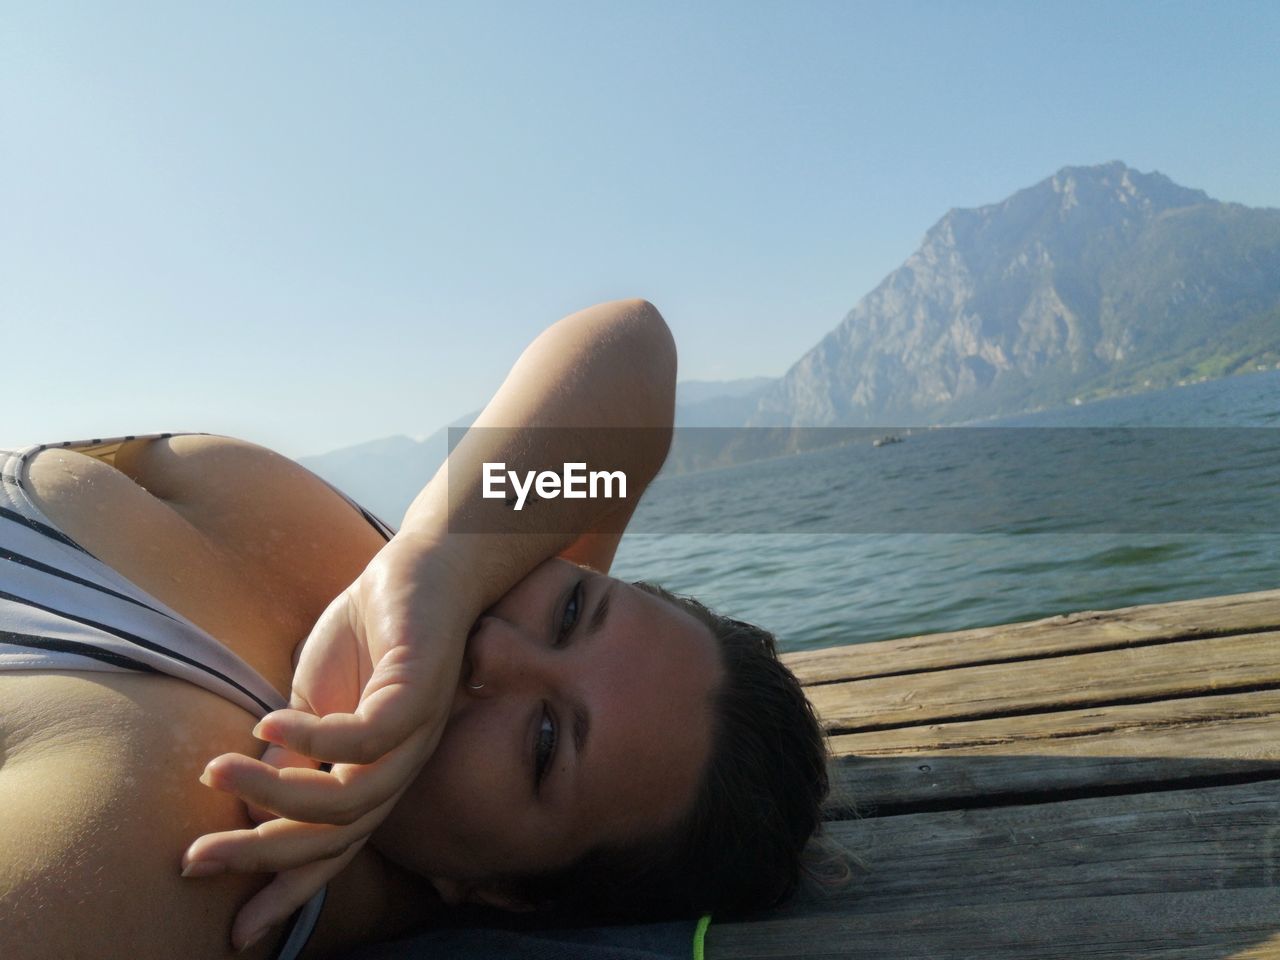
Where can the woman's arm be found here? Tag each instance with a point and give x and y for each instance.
(598, 387)
(377, 675)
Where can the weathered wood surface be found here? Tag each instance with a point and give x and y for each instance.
(1053, 636)
(1097, 785)
(1217, 924)
(1167, 671)
(1180, 840)
(1103, 749)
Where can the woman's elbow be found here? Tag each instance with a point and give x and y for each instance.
(657, 344)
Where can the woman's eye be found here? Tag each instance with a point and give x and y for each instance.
(572, 610)
(544, 746)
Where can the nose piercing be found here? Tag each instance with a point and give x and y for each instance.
(476, 686)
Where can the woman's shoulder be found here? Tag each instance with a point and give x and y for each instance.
(272, 515)
(244, 542)
(100, 793)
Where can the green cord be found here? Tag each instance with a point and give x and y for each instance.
(699, 935)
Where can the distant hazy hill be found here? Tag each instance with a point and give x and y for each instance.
(385, 475)
(1094, 281)
(718, 403)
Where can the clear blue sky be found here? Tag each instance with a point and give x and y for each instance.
(313, 224)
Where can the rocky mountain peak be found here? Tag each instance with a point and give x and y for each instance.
(1022, 302)
(1074, 200)
(1117, 183)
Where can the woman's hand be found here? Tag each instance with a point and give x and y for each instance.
(371, 694)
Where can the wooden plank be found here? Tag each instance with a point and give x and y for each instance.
(1062, 635)
(892, 786)
(1268, 950)
(1149, 843)
(1247, 661)
(1131, 746)
(1138, 728)
(1203, 925)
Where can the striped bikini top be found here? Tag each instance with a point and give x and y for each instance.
(63, 609)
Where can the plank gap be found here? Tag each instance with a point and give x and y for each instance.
(1035, 797)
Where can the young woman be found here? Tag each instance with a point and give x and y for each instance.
(479, 717)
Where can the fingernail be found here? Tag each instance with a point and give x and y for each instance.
(251, 939)
(261, 732)
(206, 779)
(204, 868)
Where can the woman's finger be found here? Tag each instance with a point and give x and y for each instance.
(282, 757)
(340, 796)
(230, 771)
(313, 796)
(275, 845)
(274, 903)
(390, 712)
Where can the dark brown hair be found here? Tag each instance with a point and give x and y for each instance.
(738, 849)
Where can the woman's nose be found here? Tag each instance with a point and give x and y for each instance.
(501, 657)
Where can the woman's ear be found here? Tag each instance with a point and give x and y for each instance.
(500, 896)
(452, 892)
(487, 893)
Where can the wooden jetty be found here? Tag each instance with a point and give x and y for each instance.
(1094, 785)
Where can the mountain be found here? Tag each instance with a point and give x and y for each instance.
(693, 392)
(1097, 280)
(385, 475)
(718, 403)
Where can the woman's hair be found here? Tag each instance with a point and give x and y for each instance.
(738, 848)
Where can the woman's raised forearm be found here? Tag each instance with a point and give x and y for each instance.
(597, 388)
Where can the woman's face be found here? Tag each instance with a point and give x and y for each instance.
(591, 726)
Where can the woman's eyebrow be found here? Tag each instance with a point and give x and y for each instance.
(601, 612)
(581, 718)
(581, 727)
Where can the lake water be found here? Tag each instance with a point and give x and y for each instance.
(1217, 529)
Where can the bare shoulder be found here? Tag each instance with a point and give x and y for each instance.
(275, 516)
(100, 799)
(246, 543)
